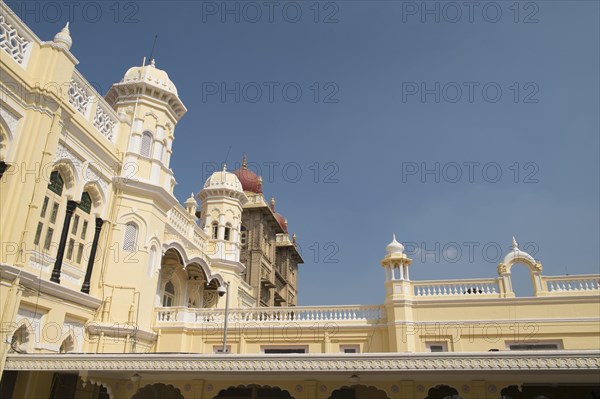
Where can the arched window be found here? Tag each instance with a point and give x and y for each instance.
(227, 235)
(168, 295)
(215, 230)
(49, 221)
(243, 237)
(130, 237)
(81, 230)
(146, 146)
(151, 261)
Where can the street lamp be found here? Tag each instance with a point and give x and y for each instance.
(224, 290)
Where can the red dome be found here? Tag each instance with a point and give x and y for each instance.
(250, 181)
(281, 221)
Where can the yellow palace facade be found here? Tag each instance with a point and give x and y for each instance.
(86, 193)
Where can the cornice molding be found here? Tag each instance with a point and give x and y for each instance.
(522, 361)
(32, 281)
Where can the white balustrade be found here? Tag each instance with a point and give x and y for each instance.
(348, 314)
(105, 120)
(13, 42)
(185, 225)
(456, 288)
(89, 103)
(584, 284)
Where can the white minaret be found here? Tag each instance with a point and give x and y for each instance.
(222, 199)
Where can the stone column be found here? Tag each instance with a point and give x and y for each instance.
(90, 266)
(3, 167)
(63, 241)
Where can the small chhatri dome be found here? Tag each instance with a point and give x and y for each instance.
(250, 181)
(394, 247)
(224, 179)
(63, 38)
(191, 201)
(151, 75)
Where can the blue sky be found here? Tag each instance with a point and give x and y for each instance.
(500, 102)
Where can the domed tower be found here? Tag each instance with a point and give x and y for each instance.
(147, 101)
(397, 291)
(396, 265)
(222, 199)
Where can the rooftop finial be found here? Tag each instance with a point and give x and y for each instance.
(515, 244)
(152, 63)
(245, 162)
(63, 38)
(294, 238)
(273, 203)
(224, 167)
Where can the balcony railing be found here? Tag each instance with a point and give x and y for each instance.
(571, 285)
(92, 106)
(472, 288)
(346, 313)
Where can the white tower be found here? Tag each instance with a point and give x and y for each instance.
(222, 199)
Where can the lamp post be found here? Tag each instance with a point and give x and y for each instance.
(226, 284)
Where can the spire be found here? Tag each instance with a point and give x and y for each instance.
(63, 38)
(294, 238)
(245, 162)
(273, 204)
(394, 247)
(191, 204)
(260, 184)
(515, 244)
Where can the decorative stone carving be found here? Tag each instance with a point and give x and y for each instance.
(104, 123)
(11, 42)
(210, 299)
(567, 360)
(78, 97)
(11, 120)
(501, 269)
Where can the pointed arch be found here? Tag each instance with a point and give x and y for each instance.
(139, 221)
(97, 195)
(253, 391)
(517, 256)
(70, 176)
(158, 391)
(358, 391)
(442, 391)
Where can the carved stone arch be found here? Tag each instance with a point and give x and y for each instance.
(70, 176)
(251, 391)
(67, 345)
(98, 198)
(139, 221)
(517, 256)
(443, 391)
(217, 279)
(360, 391)
(201, 263)
(158, 391)
(8, 127)
(151, 114)
(177, 248)
(92, 381)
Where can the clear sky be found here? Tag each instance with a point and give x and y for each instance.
(342, 105)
